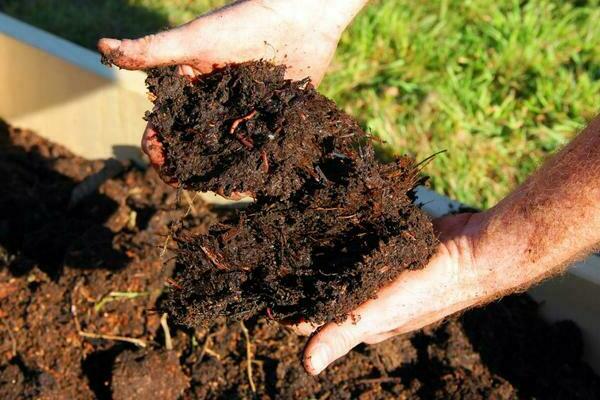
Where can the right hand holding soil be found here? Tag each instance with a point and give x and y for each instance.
(279, 31)
(454, 279)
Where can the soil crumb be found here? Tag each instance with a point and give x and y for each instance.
(330, 224)
(139, 375)
(110, 275)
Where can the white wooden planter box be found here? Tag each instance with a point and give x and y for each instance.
(62, 91)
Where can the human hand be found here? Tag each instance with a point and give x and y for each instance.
(456, 278)
(281, 31)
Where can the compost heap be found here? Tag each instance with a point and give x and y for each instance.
(330, 225)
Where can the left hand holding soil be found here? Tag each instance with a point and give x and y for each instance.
(452, 281)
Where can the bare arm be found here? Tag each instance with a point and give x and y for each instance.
(543, 226)
(552, 219)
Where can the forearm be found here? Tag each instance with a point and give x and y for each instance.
(547, 223)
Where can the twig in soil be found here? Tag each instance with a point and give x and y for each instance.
(112, 296)
(213, 353)
(207, 350)
(386, 379)
(249, 356)
(339, 155)
(265, 162)
(137, 342)
(325, 396)
(165, 326)
(13, 340)
(327, 208)
(213, 258)
(204, 347)
(172, 282)
(190, 202)
(164, 249)
(89, 335)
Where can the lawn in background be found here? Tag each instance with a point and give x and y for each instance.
(497, 84)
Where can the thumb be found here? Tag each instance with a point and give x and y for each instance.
(165, 48)
(330, 343)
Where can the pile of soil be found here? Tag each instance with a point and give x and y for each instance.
(330, 224)
(77, 281)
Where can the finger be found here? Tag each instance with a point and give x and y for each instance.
(153, 147)
(330, 343)
(155, 152)
(188, 71)
(379, 338)
(165, 48)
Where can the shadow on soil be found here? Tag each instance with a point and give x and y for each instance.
(37, 227)
(537, 358)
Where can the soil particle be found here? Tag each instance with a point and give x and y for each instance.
(145, 375)
(330, 224)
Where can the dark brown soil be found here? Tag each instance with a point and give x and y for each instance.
(330, 224)
(57, 263)
(142, 375)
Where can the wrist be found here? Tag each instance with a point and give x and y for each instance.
(501, 256)
(459, 247)
(486, 266)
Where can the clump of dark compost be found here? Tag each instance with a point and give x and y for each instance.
(330, 224)
(148, 374)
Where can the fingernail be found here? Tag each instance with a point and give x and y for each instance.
(319, 359)
(112, 44)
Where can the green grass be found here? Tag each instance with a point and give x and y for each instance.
(498, 84)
